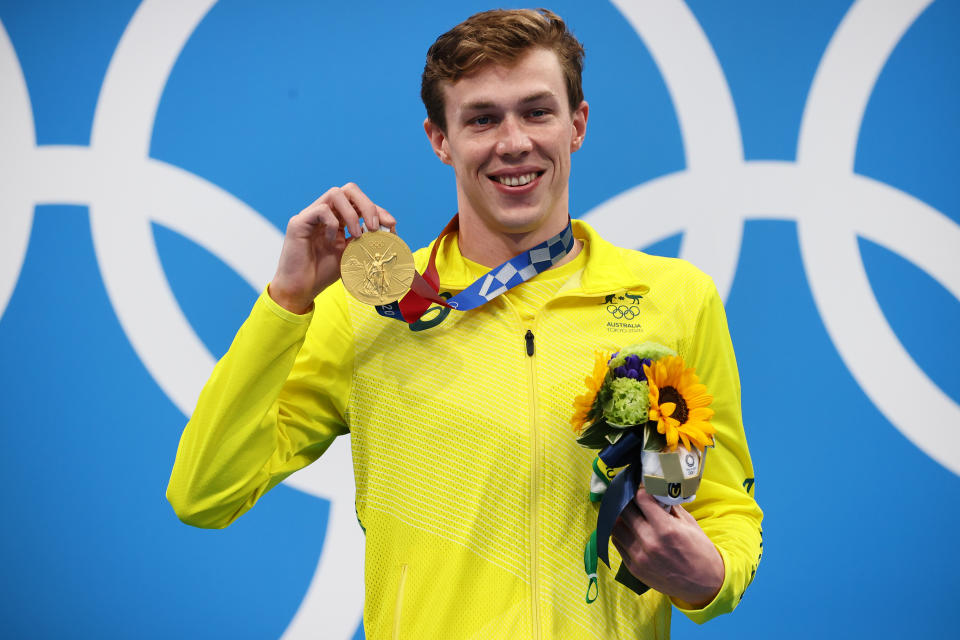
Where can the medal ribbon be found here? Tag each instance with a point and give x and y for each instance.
(424, 291)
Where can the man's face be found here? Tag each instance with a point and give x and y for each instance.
(509, 137)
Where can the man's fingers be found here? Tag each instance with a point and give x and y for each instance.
(339, 209)
(349, 204)
(361, 203)
(631, 513)
(386, 219)
(683, 514)
(306, 223)
(623, 536)
(651, 509)
(344, 210)
(629, 545)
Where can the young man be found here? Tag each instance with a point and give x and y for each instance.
(470, 485)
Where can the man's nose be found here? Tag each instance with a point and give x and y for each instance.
(513, 138)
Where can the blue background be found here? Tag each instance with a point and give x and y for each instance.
(275, 102)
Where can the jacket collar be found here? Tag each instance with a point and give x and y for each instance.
(606, 270)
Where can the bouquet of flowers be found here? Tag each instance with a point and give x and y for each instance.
(649, 417)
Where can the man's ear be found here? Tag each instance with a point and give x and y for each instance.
(580, 115)
(438, 140)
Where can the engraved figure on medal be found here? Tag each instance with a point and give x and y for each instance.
(376, 283)
(377, 268)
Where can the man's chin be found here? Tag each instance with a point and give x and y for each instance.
(518, 223)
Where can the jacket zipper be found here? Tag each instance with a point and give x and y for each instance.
(534, 489)
(530, 349)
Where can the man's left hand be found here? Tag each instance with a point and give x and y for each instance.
(668, 551)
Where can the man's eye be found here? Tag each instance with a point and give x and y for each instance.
(482, 120)
(538, 113)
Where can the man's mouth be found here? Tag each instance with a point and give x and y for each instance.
(517, 181)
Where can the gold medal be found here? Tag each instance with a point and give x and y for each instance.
(377, 268)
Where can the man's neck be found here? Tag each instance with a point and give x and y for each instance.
(484, 246)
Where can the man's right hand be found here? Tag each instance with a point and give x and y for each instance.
(315, 240)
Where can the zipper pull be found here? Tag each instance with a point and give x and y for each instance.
(529, 339)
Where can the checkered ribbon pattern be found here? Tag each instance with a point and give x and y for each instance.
(517, 270)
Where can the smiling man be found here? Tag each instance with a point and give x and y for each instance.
(471, 489)
(508, 131)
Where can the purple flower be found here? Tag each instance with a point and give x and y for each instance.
(645, 361)
(632, 367)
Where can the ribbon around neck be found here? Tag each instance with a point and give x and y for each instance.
(424, 291)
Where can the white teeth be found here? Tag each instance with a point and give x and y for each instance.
(516, 181)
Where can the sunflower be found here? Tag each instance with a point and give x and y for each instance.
(679, 403)
(583, 404)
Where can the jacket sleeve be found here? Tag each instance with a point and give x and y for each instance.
(725, 507)
(273, 404)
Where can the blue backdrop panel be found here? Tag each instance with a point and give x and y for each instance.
(151, 153)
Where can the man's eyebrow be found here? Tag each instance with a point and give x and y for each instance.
(479, 105)
(537, 97)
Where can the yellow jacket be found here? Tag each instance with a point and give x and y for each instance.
(470, 485)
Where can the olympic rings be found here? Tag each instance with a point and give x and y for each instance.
(623, 312)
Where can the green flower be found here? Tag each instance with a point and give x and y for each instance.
(651, 350)
(628, 402)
